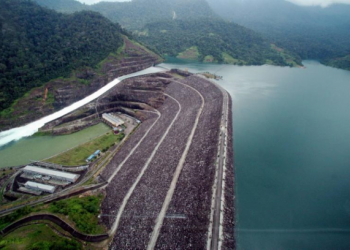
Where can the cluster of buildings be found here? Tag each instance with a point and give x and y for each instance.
(39, 180)
(114, 121)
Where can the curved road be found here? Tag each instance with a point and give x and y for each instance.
(215, 230)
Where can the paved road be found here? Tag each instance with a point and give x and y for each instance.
(215, 234)
(127, 197)
(215, 230)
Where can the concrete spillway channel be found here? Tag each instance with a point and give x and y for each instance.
(29, 129)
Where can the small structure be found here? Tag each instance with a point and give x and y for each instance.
(93, 156)
(118, 130)
(112, 120)
(39, 187)
(57, 175)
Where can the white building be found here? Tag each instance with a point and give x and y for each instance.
(40, 187)
(112, 120)
(57, 175)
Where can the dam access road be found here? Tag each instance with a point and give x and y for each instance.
(167, 184)
(170, 184)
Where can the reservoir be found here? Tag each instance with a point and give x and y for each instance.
(292, 154)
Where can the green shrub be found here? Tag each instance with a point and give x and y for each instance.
(82, 211)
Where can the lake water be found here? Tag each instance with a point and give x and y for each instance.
(292, 154)
(41, 147)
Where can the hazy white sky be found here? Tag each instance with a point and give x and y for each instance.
(323, 3)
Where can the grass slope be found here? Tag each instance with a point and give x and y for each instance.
(39, 236)
(78, 155)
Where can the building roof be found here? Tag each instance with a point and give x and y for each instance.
(91, 157)
(53, 173)
(113, 119)
(40, 186)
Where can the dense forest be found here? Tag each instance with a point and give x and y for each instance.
(134, 15)
(311, 32)
(190, 25)
(308, 32)
(213, 40)
(66, 6)
(37, 44)
(342, 63)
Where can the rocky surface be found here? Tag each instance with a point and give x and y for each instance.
(62, 92)
(168, 107)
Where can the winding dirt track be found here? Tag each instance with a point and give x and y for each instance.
(145, 205)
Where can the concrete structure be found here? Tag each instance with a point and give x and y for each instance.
(112, 120)
(58, 175)
(40, 187)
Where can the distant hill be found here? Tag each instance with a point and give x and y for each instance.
(37, 45)
(312, 32)
(66, 6)
(214, 41)
(134, 15)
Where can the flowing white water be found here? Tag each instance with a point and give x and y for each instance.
(31, 128)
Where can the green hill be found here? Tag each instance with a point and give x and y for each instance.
(134, 15)
(37, 45)
(311, 32)
(213, 41)
(187, 29)
(66, 6)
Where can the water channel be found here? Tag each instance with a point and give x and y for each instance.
(292, 159)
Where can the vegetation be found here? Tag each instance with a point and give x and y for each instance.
(37, 237)
(37, 45)
(78, 155)
(213, 40)
(311, 32)
(18, 214)
(68, 6)
(134, 15)
(342, 63)
(82, 211)
(42, 133)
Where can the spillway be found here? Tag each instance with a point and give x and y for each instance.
(16, 134)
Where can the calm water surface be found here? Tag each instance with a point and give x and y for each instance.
(292, 154)
(41, 147)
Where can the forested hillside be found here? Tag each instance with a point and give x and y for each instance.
(213, 41)
(134, 15)
(67, 6)
(37, 45)
(311, 32)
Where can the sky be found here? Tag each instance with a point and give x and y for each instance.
(323, 3)
(96, 1)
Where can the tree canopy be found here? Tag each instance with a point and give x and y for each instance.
(213, 38)
(37, 45)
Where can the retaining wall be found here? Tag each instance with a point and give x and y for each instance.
(65, 226)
